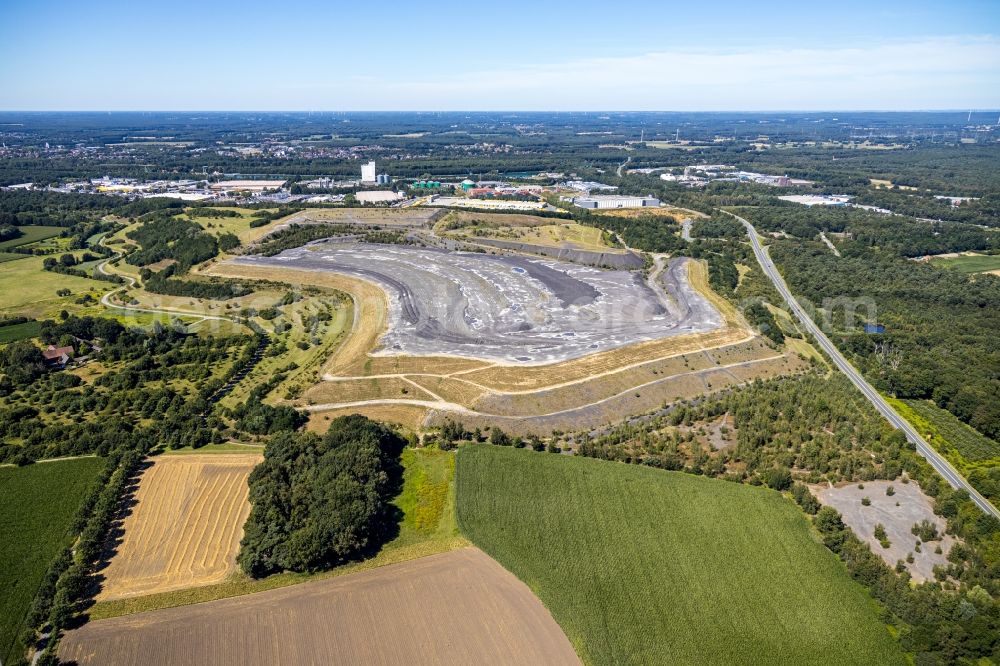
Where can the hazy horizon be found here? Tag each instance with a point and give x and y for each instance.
(584, 56)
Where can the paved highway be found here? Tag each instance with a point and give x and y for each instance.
(936, 460)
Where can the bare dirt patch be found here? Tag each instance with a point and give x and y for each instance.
(353, 390)
(457, 218)
(382, 217)
(450, 389)
(408, 416)
(459, 607)
(433, 365)
(185, 528)
(600, 387)
(638, 400)
(513, 378)
(913, 507)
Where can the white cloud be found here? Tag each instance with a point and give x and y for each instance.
(954, 72)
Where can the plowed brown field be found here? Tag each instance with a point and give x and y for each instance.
(185, 528)
(459, 607)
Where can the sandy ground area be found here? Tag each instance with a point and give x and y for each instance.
(185, 528)
(509, 308)
(459, 607)
(913, 507)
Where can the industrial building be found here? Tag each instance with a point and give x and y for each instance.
(368, 172)
(818, 199)
(377, 196)
(615, 201)
(383, 179)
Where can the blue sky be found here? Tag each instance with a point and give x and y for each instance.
(537, 55)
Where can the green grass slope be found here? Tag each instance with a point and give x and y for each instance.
(978, 263)
(37, 505)
(643, 566)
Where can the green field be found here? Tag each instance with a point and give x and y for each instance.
(31, 235)
(15, 332)
(37, 505)
(644, 566)
(11, 256)
(977, 263)
(29, 289)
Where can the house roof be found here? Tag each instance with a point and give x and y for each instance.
(53, 353)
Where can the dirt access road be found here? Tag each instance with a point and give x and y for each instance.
(459, 607)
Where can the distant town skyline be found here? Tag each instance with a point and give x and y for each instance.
(520, 56)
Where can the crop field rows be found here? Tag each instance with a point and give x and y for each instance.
(37, 505)
(185, 527)
(661, 567)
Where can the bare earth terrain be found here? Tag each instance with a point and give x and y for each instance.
(509, 308)
(913, 507)
(527, 344)
(185, 528)
(459, 607)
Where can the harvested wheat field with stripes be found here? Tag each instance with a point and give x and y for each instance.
(185, 527)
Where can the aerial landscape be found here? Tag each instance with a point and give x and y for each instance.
(564, 334)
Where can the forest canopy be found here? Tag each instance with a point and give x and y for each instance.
(319, 501)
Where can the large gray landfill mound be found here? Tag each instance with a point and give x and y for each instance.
(509, 308)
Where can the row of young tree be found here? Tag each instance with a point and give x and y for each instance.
(45, 413)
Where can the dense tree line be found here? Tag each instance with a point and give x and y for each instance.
(890, 234)
(256, 417)
(68, 582)
(650, 232)
(9, 232)
(30, 207)
(718, 226)
(984, 210)
(940, 339)
(319, 501)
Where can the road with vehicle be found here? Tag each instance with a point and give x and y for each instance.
(936, 460)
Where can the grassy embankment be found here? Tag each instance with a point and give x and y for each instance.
(974, 455)
(640, 565)
(37, 505)
(427, 527)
